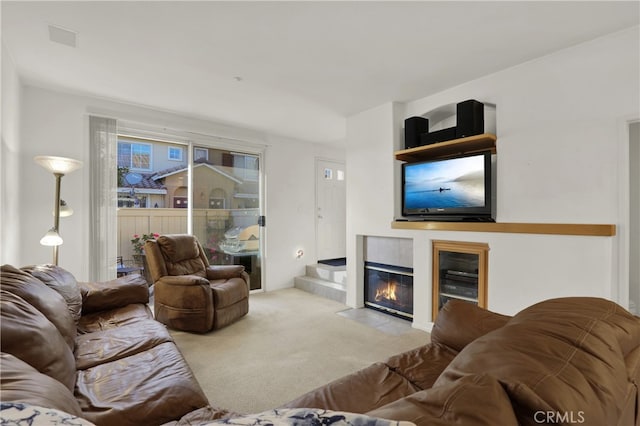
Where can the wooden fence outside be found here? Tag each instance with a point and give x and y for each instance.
(209, 225)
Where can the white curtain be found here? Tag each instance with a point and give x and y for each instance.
(104, 185)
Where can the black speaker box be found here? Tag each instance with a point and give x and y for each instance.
(413, 128)
(438, 136)
(469, 118)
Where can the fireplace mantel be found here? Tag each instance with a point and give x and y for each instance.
(596, 230)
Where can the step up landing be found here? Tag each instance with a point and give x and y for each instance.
(324, 280)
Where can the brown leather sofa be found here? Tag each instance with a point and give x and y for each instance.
(561, 361)
(190, 294)
(92, 350)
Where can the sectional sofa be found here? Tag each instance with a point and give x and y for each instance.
(93, 352)
(571, 360)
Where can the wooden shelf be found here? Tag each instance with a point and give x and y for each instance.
(596, 230)
(468, 145)
(480, 143)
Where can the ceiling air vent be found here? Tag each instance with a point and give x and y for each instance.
(63, 36)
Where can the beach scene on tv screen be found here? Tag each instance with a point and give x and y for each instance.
(454, 183)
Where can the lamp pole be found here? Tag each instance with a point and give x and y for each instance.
(59, 166)
(56, 215)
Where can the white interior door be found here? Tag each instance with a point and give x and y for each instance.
(330, 209)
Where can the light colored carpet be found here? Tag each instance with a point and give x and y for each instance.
(290, 342)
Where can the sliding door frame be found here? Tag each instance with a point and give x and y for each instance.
(190, 140)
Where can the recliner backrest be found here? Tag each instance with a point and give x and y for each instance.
(177, 254)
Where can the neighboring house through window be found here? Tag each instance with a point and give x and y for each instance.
(245, 166)
(134, 155)
(175, 153)
(180, 202)
(200, 154)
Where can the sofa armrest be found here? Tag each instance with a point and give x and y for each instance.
(221, 272)
(123, 291)
(183, 280)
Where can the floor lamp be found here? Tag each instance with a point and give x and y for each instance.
(59, 166)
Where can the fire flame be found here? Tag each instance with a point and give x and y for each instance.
(387, 292)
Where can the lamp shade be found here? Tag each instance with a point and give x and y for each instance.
(61, 165)
(65, 210)
(51, 238)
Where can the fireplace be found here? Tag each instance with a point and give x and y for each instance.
(389, 289)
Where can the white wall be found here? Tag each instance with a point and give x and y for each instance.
(634, 215)
(369, 185)
(558, 140)
(10, 93)
(56, 123)
(291, 207)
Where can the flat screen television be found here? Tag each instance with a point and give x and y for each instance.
(455, 189)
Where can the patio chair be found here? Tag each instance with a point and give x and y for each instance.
(189, 293)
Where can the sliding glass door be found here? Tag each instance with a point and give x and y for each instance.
(226, 208)
(173, 187)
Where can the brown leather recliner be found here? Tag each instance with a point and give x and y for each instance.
(190, 294)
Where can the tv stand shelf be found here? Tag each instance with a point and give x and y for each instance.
(468, 145)
(460, 271)
(480, 143)
(596, 230)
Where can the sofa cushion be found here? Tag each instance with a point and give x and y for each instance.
(21, 382)
(123, 291)
(562, 355)
(460, 323)
(49, 302)
(364, 390)
(477, 400)
(151, 387)
(61, 281)
(27, 334)
(422, 366)
(104, 320)
(116, 343)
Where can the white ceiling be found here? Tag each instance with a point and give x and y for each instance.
(303, 66)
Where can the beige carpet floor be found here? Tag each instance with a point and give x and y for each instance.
(289, 343)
